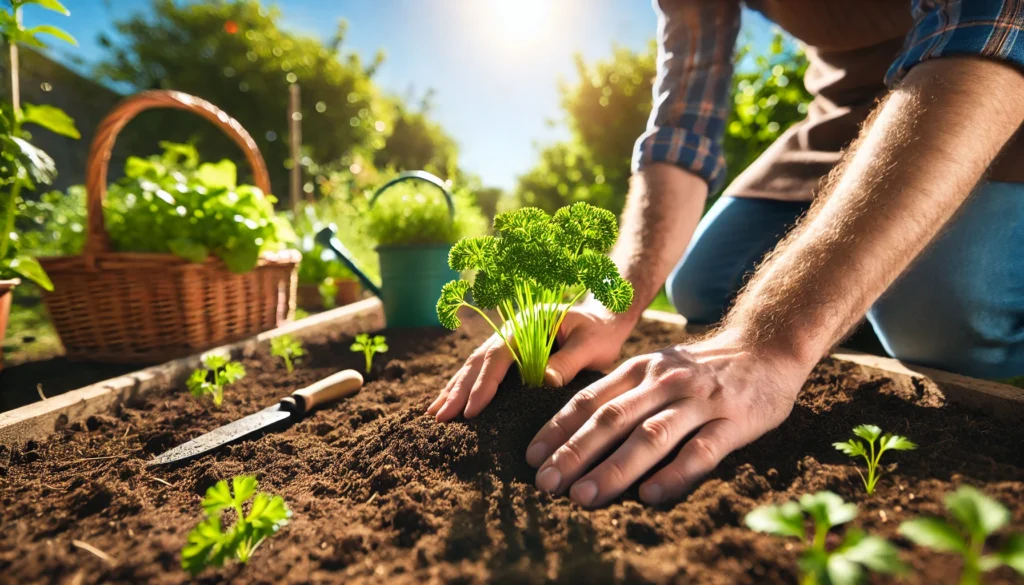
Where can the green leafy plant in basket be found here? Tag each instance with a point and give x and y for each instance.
(22, 165)
(171, 203)
(524, 271)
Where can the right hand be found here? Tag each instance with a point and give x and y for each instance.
(591, 336)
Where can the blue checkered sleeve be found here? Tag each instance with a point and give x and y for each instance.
(696, 39)
(992, 29)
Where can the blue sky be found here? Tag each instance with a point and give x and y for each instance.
(495, 64)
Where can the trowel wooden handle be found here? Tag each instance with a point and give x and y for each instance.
(334, 387)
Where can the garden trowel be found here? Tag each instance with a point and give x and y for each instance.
(290, 409)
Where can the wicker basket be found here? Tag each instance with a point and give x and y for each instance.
(124, 307)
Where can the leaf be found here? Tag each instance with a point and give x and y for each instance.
(381, 348)
(242, 258)
(842, 571)
(933, 533)
(214, 361)
(873, 552)
(896, 443)
(852, 447)
(232, 372)
(53, 5)
(198, 385)
(51, 118)
(268, 512)
(188, 249)
(869, 432)
(223, 174)
(473, 253)
(1012, 553)
(204, 546)
(218, 497)
(784, 520)
(136, 167)
(452, 297)
(828, 509)
(244, 487)
(52, 31)
(980, 514)
(39, 164)
(357, 346)
(30, 269)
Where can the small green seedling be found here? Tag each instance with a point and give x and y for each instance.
(221, 371)
(210, 543)
(871, 453)
(977, 517)
(288, 349)
(369, 346)
(844, 565)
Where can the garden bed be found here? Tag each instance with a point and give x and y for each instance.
(383, 494)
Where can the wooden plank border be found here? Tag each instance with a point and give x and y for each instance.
(1001, 400)
(40, 419)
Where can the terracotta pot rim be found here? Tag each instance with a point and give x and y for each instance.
(6, 285)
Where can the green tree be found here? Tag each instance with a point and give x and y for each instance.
(417, 142)
(607, 106)
(234, 54)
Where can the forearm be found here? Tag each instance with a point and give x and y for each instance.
(665, 204)
(918, 160)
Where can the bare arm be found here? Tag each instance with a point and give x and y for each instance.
(915, 163)
(665, 204)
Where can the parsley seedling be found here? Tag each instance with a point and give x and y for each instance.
(210, 543)
(525, 271)
(845, 564)
(977, 517)
(871, 453)
(288, 349)
(218, 373)
(369, 346)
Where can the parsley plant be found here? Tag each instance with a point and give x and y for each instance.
(526, 271)
(218, 373)
(288, 349)
(211, 543)
(369, 346)
(871, 454)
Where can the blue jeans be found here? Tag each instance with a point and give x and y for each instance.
(959, 307)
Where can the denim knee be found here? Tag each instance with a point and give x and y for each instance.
(694, 297)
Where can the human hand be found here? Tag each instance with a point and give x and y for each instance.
(591, 336)
(726, 390)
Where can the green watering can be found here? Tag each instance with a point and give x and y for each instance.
(411, 276)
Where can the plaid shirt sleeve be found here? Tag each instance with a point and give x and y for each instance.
(993, 29)
(696, 39)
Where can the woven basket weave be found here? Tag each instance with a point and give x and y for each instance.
(111, 306)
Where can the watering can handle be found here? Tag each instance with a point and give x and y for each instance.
(418, 176)
(328, 238)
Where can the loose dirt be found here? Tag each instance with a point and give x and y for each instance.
(383, 494)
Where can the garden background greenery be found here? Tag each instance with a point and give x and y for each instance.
(355, 135)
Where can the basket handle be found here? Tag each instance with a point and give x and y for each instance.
(418, 176)
(97, 240)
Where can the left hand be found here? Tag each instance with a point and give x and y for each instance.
(727, 391)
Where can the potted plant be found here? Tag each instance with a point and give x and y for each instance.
(414, 219)
(325, 283)
(22, 165)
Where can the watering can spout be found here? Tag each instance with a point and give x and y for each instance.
(328, 238)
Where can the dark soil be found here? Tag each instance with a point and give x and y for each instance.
(383, 494)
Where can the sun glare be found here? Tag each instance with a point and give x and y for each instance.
(514, 23)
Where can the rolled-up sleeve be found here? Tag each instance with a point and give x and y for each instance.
(696, 39)
(992, 29)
